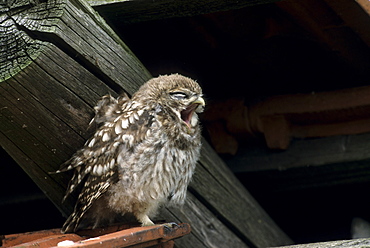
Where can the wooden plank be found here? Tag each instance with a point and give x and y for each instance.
(139, 11)
(327, 28)
(282, 118)
(75, 28)
(303, 153)
(47, 102)
(149, 236)
(355, 15)
(355, 243)
(207, 231)
(365, 5)
(48, 94)
(41, 127)
(215, 184)
(19, 238)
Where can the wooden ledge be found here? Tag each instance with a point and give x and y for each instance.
(150, 236)
(281, 118)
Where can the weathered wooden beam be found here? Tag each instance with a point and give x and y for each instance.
(91, 43)
(303, 153)
(217, 187)
(208, 230)
(334, 27)
(355, 243)
(149, 236)
(355, 15)
(58, 58)
(281, 118)
(365, 5)
(319, 114)
(144, 10)
(54, 57)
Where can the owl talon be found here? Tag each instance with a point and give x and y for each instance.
(145, 221)
(170, 225)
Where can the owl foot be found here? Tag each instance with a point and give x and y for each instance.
(144, 220)
(169, 226)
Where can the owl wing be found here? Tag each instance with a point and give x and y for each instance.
(125, 123)
(108, 108)
(93, 189)
(97, 160)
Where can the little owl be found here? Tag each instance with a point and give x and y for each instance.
(142, 156)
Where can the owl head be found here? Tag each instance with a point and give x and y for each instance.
(175, 93)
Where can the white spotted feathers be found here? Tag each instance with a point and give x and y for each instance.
(98, 157)
(142, 154)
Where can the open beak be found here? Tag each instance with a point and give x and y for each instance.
(196, 106)
(201, 103)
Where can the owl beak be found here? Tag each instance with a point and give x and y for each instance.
(196, 106)
(200, 102)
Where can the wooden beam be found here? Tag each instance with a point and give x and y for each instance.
(365, 5)
(355, 243)
(303, 153)
(55, 58)
(217, 187)
(337, 24)
(281, 118)
(355, 14)
(149, 236)
(141, 10)
(208, 230)
(60, 58)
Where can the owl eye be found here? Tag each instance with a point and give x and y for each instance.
(178, 95)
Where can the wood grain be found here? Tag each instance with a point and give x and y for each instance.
(72, 58)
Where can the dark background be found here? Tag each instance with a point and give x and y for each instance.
(233, 53)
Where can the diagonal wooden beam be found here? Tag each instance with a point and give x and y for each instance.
(60, 59)
(141, 10)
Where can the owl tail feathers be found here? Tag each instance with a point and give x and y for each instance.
(71, 224)
(77, 220)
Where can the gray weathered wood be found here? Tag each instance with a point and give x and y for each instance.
(207, 229)
(354, 243)
(42, 121)
(139, 10)
(63, 58)
(55, 56)
(303, 153)
(230, 205)
(79, 32)
(214, 183)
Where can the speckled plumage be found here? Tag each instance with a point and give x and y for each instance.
(143, 154)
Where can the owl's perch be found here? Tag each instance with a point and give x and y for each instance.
(117, 236)
(63, 58)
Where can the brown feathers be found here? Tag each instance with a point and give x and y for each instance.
(143, 153)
